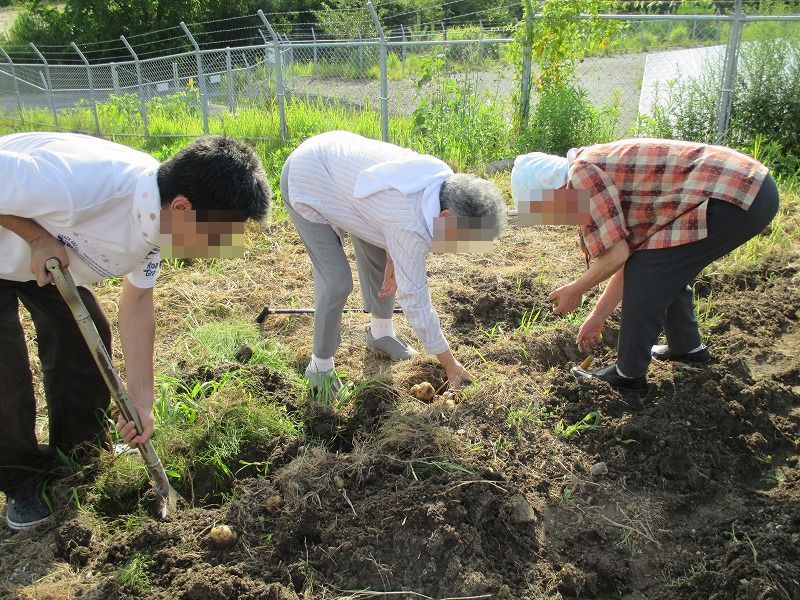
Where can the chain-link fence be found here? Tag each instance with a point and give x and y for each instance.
(652, 63)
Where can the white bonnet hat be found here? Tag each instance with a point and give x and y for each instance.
(538, 171)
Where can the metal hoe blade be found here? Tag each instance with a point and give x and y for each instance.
(167, 496)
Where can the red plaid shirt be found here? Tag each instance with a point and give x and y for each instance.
(654, 193)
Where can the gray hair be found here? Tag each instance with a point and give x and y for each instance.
(470, 196)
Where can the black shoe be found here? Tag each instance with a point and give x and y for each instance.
(697, 358)
(627, 386)
(24, 512)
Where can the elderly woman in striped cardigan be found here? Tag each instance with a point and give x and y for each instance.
(397, 205)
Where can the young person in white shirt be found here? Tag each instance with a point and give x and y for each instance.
(397, 205)
(103, 210)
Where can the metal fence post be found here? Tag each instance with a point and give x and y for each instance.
(176, 82)
(480, 41)
(115, 78)
(229, 72)
(288, 64)
(403, 48)
(524, 108)
(91, 87)
(729, 77)
(360, 55)
(384, 74)
(279, 92)
(48, 84)
(314, 67)
(444, 38)
(201, 78)
(246, 75)
(16, 85)
(142, 104)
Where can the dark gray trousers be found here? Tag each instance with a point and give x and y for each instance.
(657, 294)
(333, 280)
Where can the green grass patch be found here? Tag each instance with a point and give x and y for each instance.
(133, 573)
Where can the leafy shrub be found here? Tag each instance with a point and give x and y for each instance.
(565, 118)
(679, 36)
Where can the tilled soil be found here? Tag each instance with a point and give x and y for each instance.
(532, 485)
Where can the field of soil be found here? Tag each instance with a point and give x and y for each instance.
(528, 485)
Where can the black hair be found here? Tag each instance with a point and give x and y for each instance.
(217, 174)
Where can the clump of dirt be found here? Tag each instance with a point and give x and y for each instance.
(485, 302)
(373, 405)
(420, 370)
(273, 383)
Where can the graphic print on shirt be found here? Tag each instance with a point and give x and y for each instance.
(151, 268)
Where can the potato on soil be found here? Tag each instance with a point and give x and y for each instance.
(222, 536)
(423, 391)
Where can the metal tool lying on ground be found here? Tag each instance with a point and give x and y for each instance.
(267, 310)
(167, 496)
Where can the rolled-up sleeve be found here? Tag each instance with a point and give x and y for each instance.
(408, 251)
(32, 189)
(607, 224)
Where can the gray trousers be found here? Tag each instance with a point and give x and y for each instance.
(657, 294)
(333, 279)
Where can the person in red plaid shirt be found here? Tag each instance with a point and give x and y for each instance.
(652, 214)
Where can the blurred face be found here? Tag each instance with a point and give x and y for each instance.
(461, 234)
(187, 233)
(554, 207)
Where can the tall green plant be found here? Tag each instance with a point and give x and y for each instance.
(455, 121)
(555, 39)
(565, 118)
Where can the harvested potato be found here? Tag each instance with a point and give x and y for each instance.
(222, 536)
(423, 391)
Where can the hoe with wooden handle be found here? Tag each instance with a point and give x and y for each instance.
(167, 497)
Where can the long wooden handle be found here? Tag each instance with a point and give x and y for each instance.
(69, 291)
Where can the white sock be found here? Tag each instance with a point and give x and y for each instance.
(320, 365)
(620, 373)
(381, 328)
(700, 347)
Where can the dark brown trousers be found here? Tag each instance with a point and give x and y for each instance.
(77, 397)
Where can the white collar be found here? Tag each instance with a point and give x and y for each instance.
(147, 206)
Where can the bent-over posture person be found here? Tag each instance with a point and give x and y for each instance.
(397, 206)
(653, 214)
(103, 210)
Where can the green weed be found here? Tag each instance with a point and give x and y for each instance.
(589, 422)
(530, 318)
(689, 577)
(520, 417)
(133, 574)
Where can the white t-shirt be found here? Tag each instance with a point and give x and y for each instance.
(99, 198)
(325, 172)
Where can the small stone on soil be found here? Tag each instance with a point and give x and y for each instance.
(338, 482)
(599, 469)
(521, 510)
